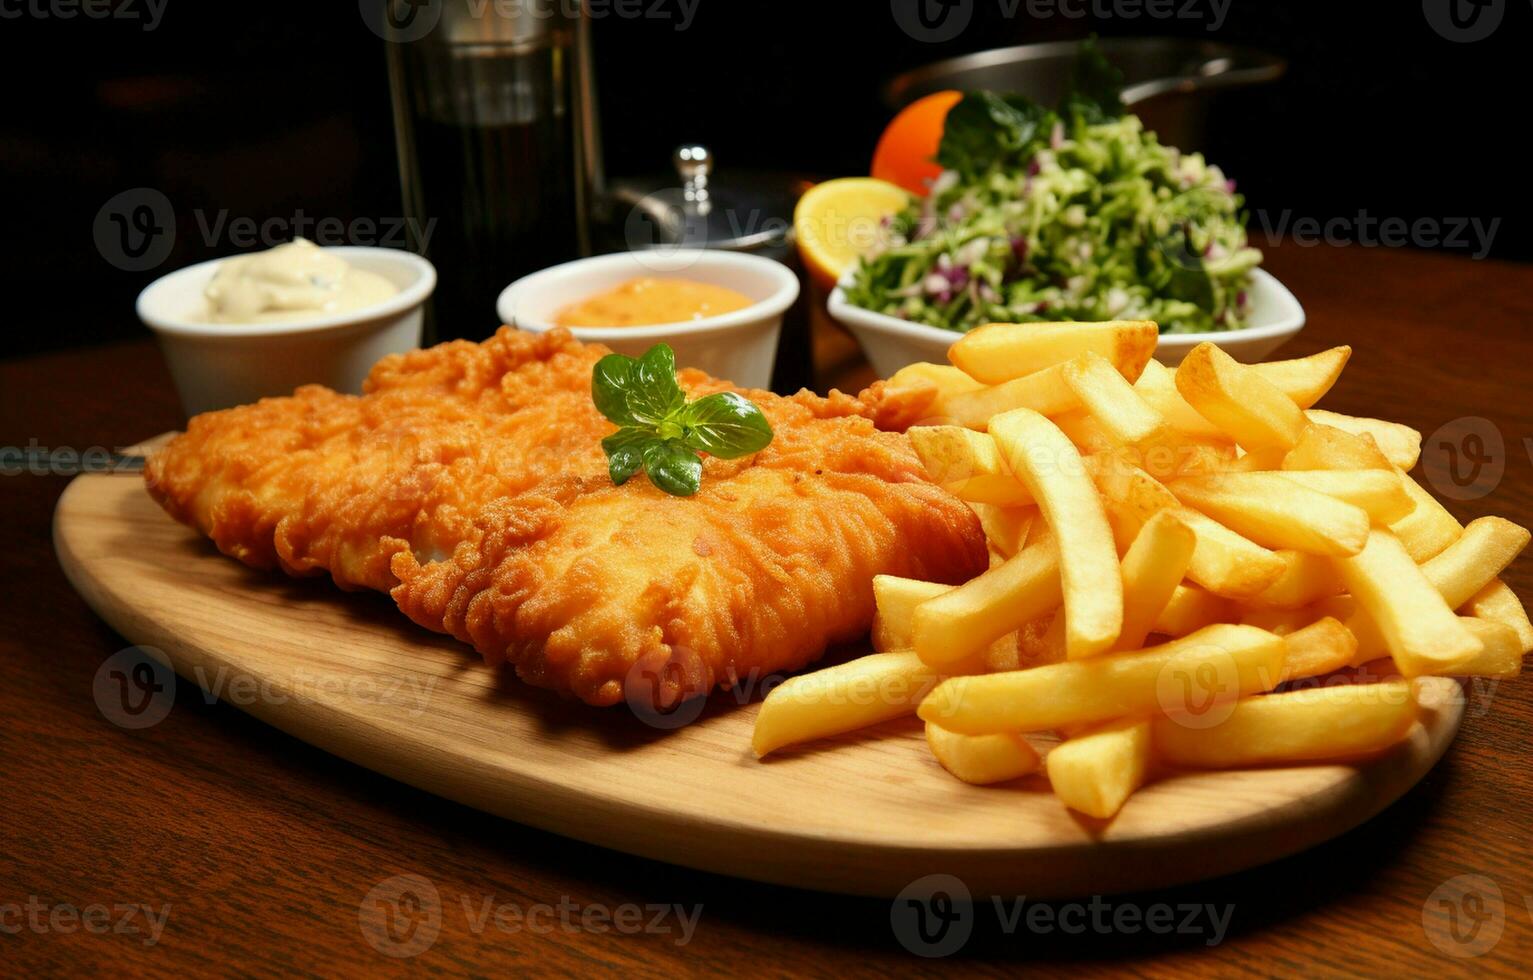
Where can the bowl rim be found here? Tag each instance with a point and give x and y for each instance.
(1290, 319)
(654, 261)
(408, 298)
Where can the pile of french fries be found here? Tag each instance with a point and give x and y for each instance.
(1190, 568)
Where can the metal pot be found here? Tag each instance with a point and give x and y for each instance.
(1168, 81)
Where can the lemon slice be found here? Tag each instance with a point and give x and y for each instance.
(838, 221)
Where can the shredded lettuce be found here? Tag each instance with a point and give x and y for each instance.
(1069, 214)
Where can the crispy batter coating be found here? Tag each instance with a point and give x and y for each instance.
(468, 482)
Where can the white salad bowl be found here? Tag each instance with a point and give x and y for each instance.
(739, 346)
(891, 343)
(218, 365)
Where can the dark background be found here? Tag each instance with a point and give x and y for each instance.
(264, 109)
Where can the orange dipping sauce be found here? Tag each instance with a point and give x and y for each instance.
(647, 301)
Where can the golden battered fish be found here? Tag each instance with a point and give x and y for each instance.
(469, 483)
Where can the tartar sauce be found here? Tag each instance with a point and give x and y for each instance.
(291, 282)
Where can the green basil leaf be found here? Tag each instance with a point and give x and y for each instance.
(984, 129)
(725, 425)
(1096, 86)
(611, 380)
(654, 395)
(673, 467)
(625, 453)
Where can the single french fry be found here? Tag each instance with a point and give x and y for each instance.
(1242, 660)
(1306, 579)
(843, 698)
(1324, 447)
(1279, 621)
(1429, 528)
(1257, 462)
(1502, 651)
(1005, 527)
(999, 352)
(894, 601)
(944, 377)
(1157, 386)
(1250, 409)
(1042, 391)
(1190, 609)
(1499, 604)
(1152, 569)
(1275, 512)
(1421, 631)
(1381, 493)
(1086, 432)
(964, 621)
(1336, 722)
(1097, 769)
(1306, 379)
(1223, 561)
(1050, 466)
(1319, 648)
(982, 759)
(1401, 444)
(1469, 564)
(967, 465)
(1112, 401)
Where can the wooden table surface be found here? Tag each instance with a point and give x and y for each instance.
(255, 853)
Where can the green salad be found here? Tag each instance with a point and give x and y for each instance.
(1074, 213)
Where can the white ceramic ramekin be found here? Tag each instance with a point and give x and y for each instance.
(216, 365)
(892, 343)
(737, 347)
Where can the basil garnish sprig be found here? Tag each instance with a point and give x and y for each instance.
(660, 431)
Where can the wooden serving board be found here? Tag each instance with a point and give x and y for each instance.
(866, 813)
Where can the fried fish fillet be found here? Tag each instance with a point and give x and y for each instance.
(468, 482)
